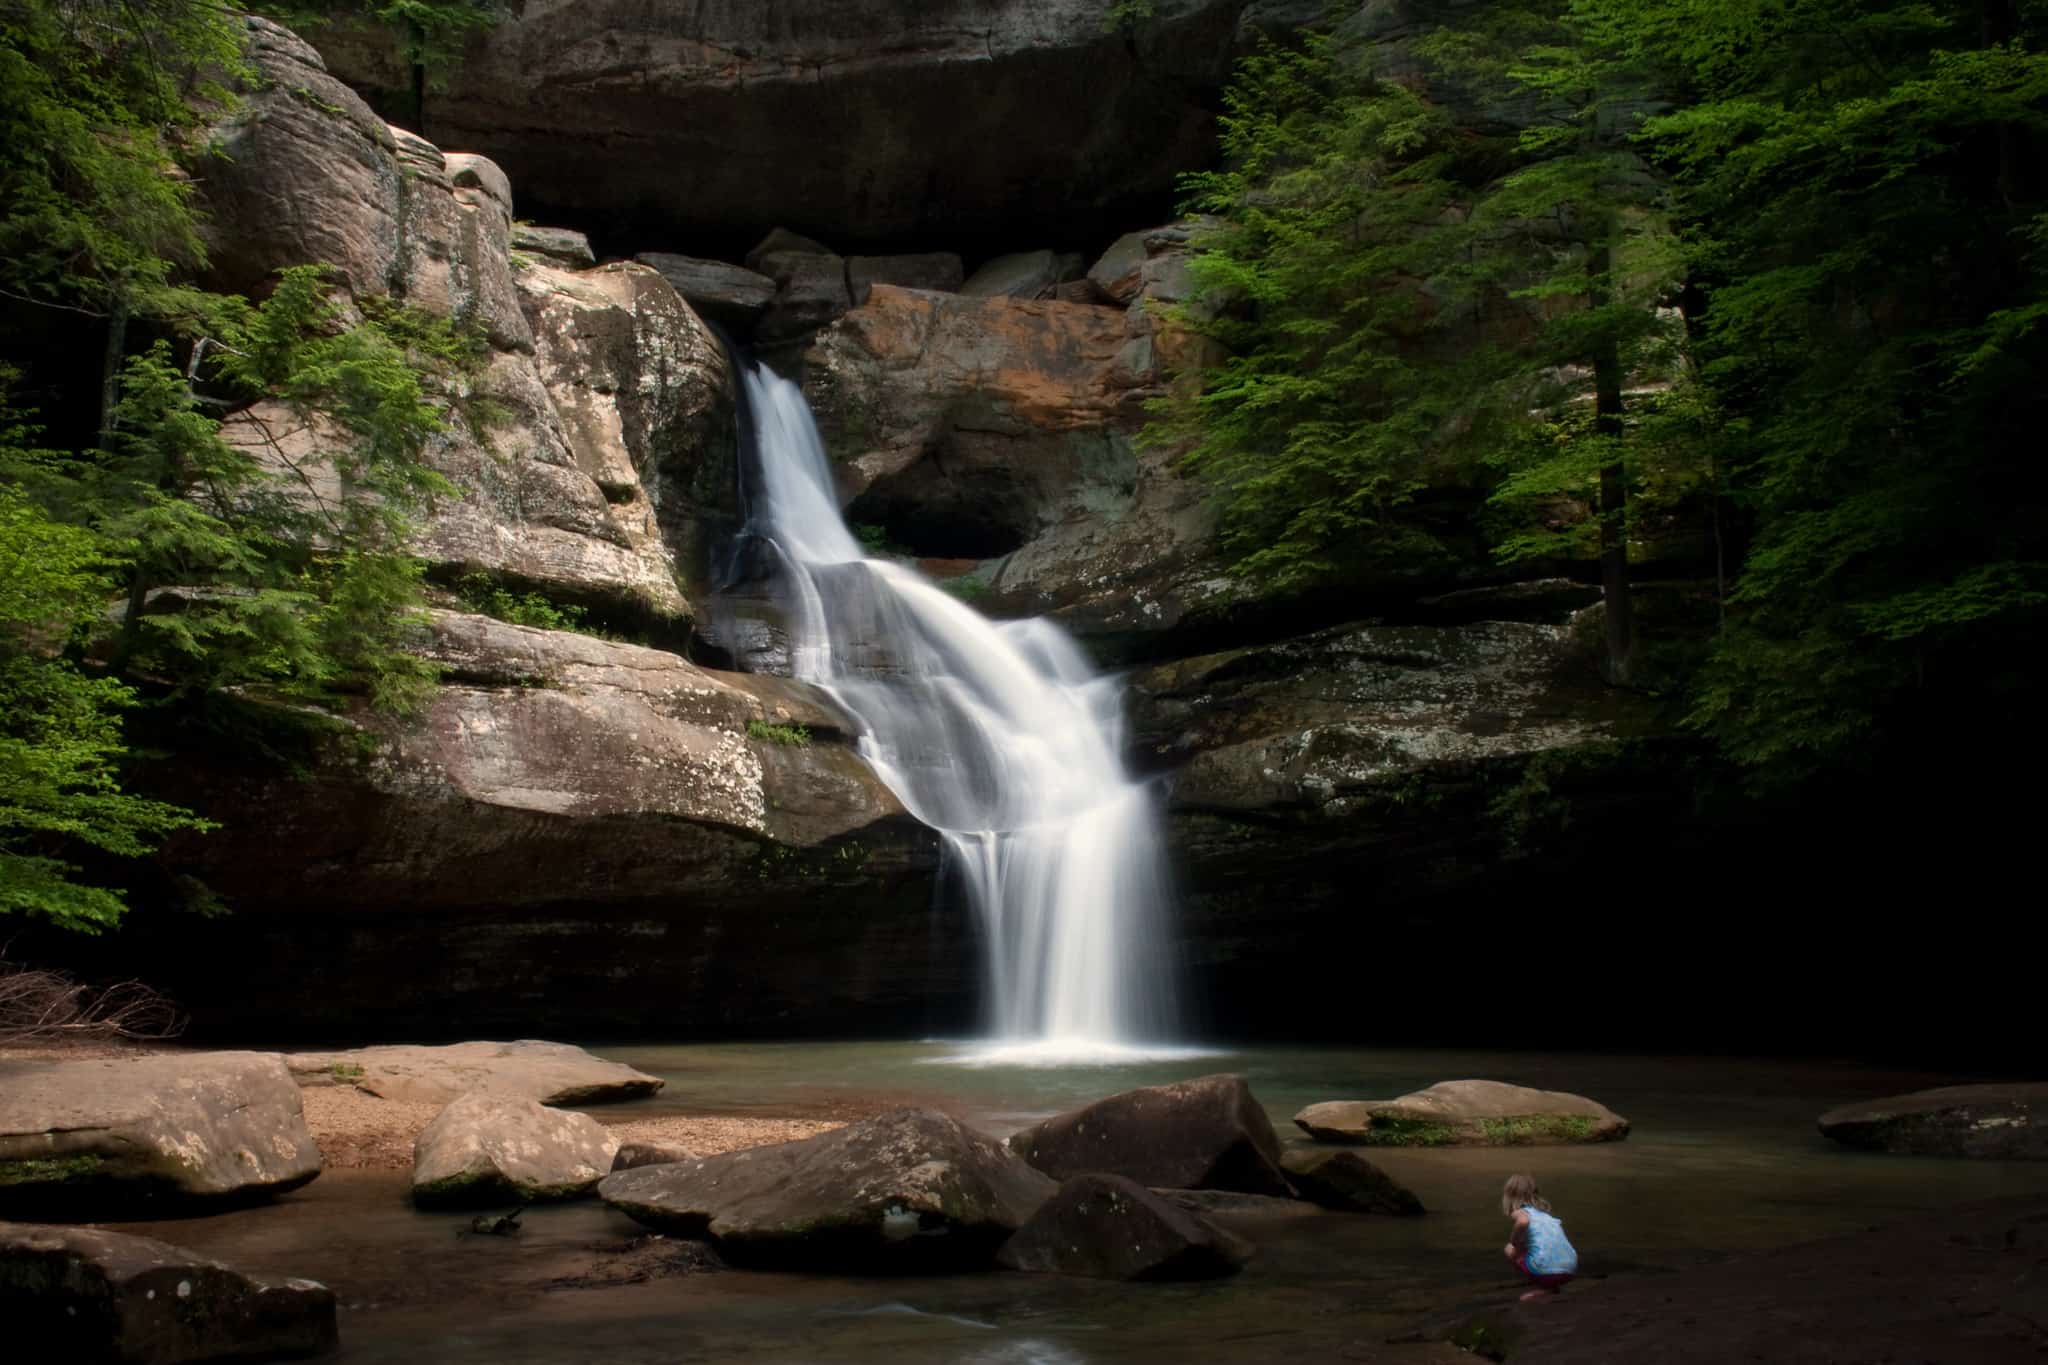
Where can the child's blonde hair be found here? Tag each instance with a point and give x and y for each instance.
(1520, 1192)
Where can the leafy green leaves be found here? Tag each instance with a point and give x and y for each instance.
(92, 95)
(60, 730)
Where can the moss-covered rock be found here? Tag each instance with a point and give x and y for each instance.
(122, 1137)
(486, 1149)
(1465, 1114)
(2008, 1120)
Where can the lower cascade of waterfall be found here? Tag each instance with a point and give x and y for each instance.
(999, 736)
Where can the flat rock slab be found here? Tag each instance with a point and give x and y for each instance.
(492, 1149)
(1465, 1114)
(909, 1189)
(123, 1138)
(1234, 1204)
(1344, 1180)
(1205, 1133)
(1110, 1228)
(2009, 1121)
(547, 1073)
(631, 1156)
(83, 1294)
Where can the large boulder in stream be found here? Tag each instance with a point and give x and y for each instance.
(1206, 1133)
(1344, 1180)
(909, 1189)
(547, 1073)
(136, 1137)
(1110, 1228)
(2002, 1120)
(484, 1149)
(83, 1294)
(1465, 1114)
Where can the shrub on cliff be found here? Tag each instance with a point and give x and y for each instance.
(151, 556)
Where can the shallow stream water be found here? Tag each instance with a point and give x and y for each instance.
(1723, 1159)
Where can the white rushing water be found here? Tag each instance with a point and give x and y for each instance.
(997, 735)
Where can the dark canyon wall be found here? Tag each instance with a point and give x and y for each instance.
(951, 122)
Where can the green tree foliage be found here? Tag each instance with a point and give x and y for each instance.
(283, 552)
(60, 729)
(1406, 301)
(1330, 269)
(94, 95)
(1863, 193)
(1854, 198)
(172, 557)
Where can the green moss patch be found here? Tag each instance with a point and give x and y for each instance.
(795, 736)
(52, 1170)
(1522, 1129)
(1409, 1133)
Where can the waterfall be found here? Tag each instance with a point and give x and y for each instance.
(996, 734)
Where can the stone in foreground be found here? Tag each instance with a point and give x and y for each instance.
(1207, 1133)
(548, 1073)
(126, 1137)
(1111, 1228)
(632, 1156)
(1465, 1114)
(2009, 1121)
(1237, 1204)
(1347, 1181)
(565, 245)
(911, 1189)
(82, 1294)
(484, 1149)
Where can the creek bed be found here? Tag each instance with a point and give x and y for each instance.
(1724, 1159)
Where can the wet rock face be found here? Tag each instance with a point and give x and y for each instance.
(1311, 724)
(1465, 1114)
(125, 1137)
(1111, 1228)
(1206, 1133)
(965, 425)
(574, 828)
(84, 1294)
(910, 1189)
(999, 431)
(1362, 788)
(588, 733)
(1999, 1121)
(870, 122)
(489, 1149)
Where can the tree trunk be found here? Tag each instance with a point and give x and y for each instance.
(1607, 410)
(110, 371)
(419, 77)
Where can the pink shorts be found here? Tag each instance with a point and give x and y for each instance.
(1540, 1281)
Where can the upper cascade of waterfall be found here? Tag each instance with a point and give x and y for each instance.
(997, 734)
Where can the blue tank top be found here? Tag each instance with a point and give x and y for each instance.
(1550, 1252)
